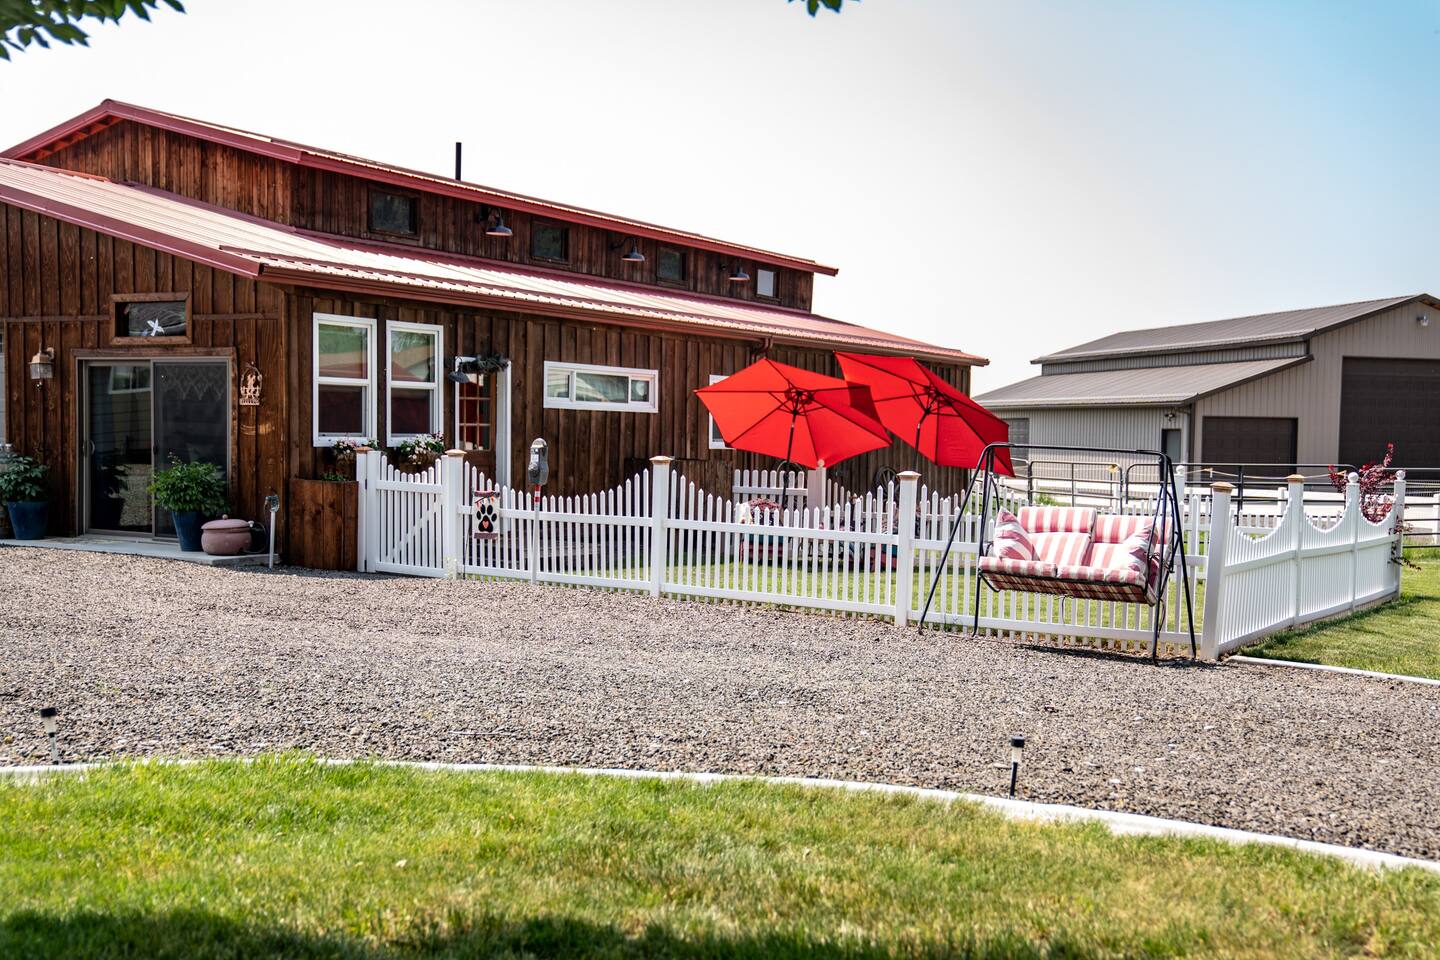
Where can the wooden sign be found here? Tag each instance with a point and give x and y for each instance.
(250, 384)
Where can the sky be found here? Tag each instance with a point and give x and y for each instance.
(1007, 178)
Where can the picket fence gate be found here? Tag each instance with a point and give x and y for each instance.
(660, 533)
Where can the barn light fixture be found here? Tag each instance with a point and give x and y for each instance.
(494, 220)
(633, 255)
(737, 273)
(1423, 319)
(1017, 752)
(49, 717)
(42, 365)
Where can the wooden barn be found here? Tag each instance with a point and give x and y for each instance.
(209, 293)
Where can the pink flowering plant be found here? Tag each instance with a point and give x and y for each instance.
(1376, 485)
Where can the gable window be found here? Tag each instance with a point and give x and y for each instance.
(413, 398)
(151, 316)
(578, 386)
(396, 213)
(550, 241)
(344, 379)
(767, 283)
(717, 439)
(670, 265)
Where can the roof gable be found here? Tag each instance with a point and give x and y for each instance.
(113, 111)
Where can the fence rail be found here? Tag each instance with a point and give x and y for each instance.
(875, 553)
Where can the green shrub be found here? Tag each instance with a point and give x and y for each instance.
(23, 481)
(195, 486)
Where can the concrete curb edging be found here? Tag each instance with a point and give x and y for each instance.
(1326, 668)
(1121, 824)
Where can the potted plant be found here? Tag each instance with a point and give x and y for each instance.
(421, 452)
(191, 492)
(22, 488)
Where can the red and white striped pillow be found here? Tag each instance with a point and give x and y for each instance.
(1010, 541)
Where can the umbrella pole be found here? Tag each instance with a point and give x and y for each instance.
(918, 427)
(785, 473)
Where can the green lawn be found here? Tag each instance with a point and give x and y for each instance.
(1398, 637)
(289, 858)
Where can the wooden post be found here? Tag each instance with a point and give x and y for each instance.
(815, 484)
(1295, 517)
(1397, 529)
(905, 554)
(452, 498)
(1218, 549)
(367, 471)
(659, 513)
(1354, 517)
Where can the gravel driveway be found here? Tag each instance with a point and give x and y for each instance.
(146, 657)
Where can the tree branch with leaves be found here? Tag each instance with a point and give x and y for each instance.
(24, 23)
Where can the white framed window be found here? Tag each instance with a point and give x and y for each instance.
(767, 283)
(580, 386)
(717, 441)
(413, 402)
(343, 397)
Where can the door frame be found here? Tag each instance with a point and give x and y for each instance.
(82, 359)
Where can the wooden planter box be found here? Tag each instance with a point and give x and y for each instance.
(322, 521)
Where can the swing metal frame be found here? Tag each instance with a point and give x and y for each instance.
(1166, 535)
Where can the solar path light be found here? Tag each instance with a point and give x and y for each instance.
(48, 716)
(1017, 751)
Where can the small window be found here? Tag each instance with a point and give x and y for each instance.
(670, 265)
(395, 213)
(717, 439)
(583, 387)
(550, 241)
(344, 369)
(767, 283)
(414, 352)
(152, 317)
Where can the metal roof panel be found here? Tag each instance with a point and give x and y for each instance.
(1145, 386)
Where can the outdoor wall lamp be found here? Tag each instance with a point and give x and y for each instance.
(633, 255)
(737, 273)
(1423, 319)
(466, 371)
(494, 220)
(42, 365)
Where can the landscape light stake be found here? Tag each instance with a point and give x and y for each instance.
(52, 729)
(1017, 750)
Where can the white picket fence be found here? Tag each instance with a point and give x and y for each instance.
(660, 533)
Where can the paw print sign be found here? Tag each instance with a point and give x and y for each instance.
(487, 516)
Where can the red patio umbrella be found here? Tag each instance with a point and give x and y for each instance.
(783, 411)
(927, 413)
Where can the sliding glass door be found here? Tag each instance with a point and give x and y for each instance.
(137, 415)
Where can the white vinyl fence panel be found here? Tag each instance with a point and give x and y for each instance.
(874, 554)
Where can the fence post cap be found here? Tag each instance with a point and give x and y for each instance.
(1220, 486)
(662, 459)
(1352, 477)
(1399, 474)
(1295, 478)
(454, 453)
(907, 475)
(363, 449)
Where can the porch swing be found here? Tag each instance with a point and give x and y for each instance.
(1077, 552)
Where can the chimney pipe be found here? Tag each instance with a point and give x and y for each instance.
(457, 160)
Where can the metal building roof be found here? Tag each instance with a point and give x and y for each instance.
(1238, 331)
(1146, 386)
(278, 253)
(113, 111)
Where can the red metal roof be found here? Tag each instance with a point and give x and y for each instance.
(272, 251)
(112, 111)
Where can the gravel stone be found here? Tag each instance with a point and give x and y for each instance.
(153, 658)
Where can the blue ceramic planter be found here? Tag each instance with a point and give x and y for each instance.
(187, 528)
(29, 519)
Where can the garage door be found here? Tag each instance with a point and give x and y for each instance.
(1263, 445)
(1390, 401)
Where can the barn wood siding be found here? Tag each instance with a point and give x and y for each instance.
(56, 289)
(1311, 393)
(339, 204)
(589, 450)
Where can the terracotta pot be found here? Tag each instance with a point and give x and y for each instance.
(225, 537)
